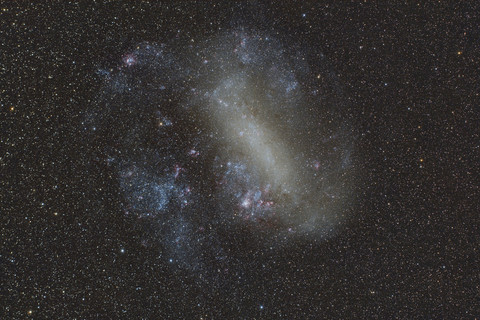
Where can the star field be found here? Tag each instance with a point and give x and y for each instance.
(259, 160)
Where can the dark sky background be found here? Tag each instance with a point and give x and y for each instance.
(409, 251)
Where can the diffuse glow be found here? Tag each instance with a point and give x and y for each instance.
(238, 142)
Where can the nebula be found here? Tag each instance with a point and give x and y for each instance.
(236, 136)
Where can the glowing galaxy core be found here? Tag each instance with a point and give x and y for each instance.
(265, 118)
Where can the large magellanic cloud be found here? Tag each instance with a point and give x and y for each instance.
(242, 133)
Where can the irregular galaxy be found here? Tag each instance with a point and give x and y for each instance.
(234, 137)
(239, 160)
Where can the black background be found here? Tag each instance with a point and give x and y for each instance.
(411, 251)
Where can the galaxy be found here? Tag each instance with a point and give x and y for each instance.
(228, 140)
(239, 160)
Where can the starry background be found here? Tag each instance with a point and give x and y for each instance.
(410, 73)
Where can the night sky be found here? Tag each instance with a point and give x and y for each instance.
(249, 160)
